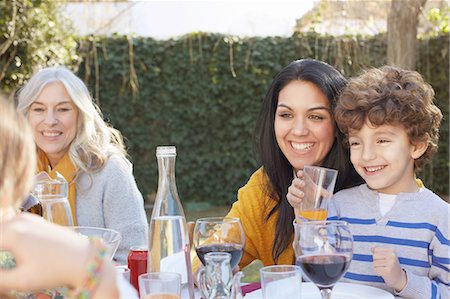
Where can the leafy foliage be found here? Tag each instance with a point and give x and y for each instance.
(439, 18)
(32, 34)
(202, 93)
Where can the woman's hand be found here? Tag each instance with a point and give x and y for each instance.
(295, 192)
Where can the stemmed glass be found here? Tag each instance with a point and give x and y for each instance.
(323, 250)
(219, 234)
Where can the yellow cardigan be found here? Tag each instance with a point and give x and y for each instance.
(252, 207)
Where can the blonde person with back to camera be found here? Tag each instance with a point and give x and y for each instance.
(46, 255)
(400, 228)
(73, 139)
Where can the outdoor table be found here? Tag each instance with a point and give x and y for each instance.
(250, 291)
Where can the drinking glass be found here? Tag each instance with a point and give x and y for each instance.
(324, 250)
(281, 281)
(124, 271)
(52, 194)
(110, 237)
(319, 187)
(219, 234)
(160, 285)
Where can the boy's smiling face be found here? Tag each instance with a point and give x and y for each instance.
(384, 157)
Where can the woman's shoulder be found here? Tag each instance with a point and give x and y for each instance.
(118, 161)
(252, 197)
(115, 166)
(257, 179)
(254, 192)
(257, 183)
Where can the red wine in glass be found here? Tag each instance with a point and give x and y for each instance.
(219, 234)
(324, 250)
(234, 249)
(324, 269)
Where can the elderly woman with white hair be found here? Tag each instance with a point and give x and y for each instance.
(73, 139)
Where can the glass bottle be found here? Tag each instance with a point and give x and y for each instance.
(169, 249)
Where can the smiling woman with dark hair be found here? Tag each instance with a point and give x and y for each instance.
(296, 127)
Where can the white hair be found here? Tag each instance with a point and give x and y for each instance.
(95, 140)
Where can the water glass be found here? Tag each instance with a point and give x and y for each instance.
(281, 282)
(124, 271)
(160, 285)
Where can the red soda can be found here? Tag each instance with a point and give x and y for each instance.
(137, 263)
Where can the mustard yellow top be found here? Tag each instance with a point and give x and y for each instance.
(252, 207)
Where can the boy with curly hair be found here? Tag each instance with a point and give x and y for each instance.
(400, 228)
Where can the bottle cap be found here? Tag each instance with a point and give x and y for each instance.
(166, 151)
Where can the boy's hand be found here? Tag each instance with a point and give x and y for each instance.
(385, 264)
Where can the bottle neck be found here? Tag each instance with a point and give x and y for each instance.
(167, 201)
(166, 170)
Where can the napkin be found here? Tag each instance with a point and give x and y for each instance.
(250, 287)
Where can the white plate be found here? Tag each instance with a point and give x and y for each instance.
(342, 290)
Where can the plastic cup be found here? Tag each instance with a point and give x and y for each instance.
(319, 187)
(160, 285)
(281, 282)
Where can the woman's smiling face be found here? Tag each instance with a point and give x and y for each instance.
(304, 126)
(53, 117)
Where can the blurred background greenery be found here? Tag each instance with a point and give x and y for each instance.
(202, 91)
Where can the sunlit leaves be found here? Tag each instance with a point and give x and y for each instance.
(34, 34)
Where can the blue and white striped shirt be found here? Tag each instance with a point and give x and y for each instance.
(417, 227)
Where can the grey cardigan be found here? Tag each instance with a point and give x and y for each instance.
(110, 198)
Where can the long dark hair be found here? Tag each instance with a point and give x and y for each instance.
(276, 165)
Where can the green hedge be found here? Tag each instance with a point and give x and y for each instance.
(202, 93)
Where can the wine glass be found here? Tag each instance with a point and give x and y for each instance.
(219, 234)
(323, 250)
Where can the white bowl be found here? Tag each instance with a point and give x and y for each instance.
(111, 237)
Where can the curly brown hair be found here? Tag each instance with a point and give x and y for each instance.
(392, 96)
